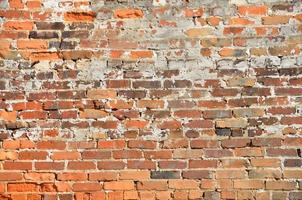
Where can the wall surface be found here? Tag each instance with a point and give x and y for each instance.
(142, 99)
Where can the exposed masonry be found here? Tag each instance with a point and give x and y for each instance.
(142, 99)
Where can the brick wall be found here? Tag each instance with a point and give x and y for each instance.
(134, 99)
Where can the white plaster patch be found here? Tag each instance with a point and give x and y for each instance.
(159, 2)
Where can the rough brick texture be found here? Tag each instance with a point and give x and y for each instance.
(142, 99)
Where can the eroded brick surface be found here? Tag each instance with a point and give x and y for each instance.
(162, 99)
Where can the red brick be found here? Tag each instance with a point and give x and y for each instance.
(111, 165)
(163, 154)
(81, 165)
(59, 145)
(114, 144)
(136, 164)
(96, 154)
(141, 144)
(127, 154)
(17, 165)
(33, 155)
(49, 165)
(10, 176)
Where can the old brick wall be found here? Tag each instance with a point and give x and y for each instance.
(142, 99)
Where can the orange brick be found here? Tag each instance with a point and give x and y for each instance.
(100, 94)
(265, 162)
(126, 13)
(93, 114)
(274, 20)
(248, 184)
(134, 175)
(240, 21)
(136, 124)
(19, 25)
(193, 12)
(150, 104)
(22, 187)
(32, 44)
(114, 144)
(10, 176)
(103, 176)
(33, 4)
(152, 185)
(11, 144)
(86, 187)
(8, 155)
(4, 44)
(208, 184)
(183, 184)
(252, 10)
(33, 176)
(131, 195)
(79, 16)
(141, 54)
(119, 185)
(65, 155)
(37, 56)
(120, 104)
(8, 116)
(17, 4)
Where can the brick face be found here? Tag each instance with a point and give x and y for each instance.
(150, 99)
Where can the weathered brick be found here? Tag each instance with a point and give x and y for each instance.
(280, 185)
(292, 163)
(264, 173)
(196, 174)
(277, 19)
(248, 184)
(232, 123)
(165, 175)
